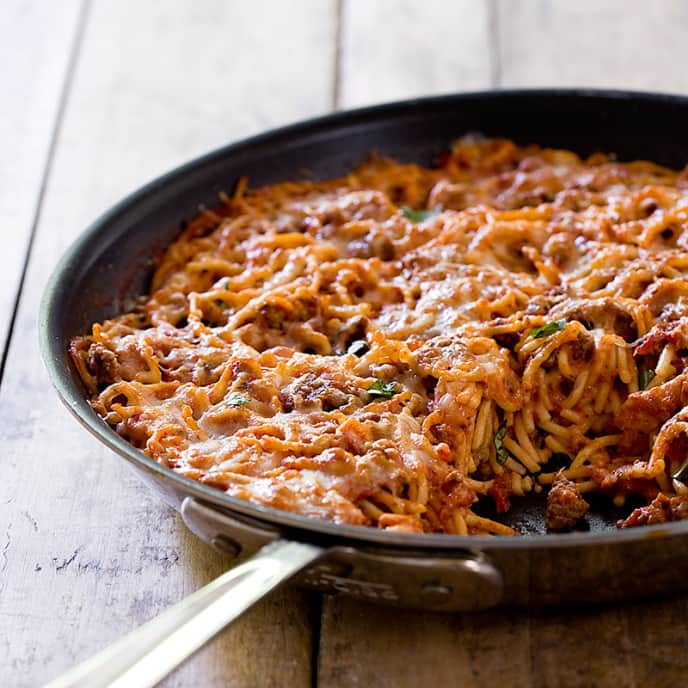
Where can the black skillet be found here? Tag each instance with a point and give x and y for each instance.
(109, 266)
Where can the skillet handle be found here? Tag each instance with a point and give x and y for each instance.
(148, 654)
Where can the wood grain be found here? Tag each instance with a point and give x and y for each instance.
(86, 552)
(632, 646)
(616, 43)
(568, 42)
(403, 649)
(394, 49)
(37, 40)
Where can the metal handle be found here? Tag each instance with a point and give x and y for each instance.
(145, 656)
(457, 580)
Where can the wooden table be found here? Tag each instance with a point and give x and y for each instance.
(101, 96)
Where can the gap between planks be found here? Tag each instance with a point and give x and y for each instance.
(13, 280)
(96, 562)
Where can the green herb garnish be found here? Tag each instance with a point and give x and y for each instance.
(548, 329)
(358, 348)
(236, 399)
(645, 376)
(498, 441)
(420, 215)
(220, 304)
(385, 390)
(226, 284)
(682, 473)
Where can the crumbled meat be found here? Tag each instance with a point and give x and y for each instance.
(582, 349)
(670, 332)
(540, 304)
(603, 313)
(561, 248)
(646, 410)
(663, 293)
(355, 329)
(103, 364)
(565, 505)
(500, 491)
(276, 315)
(373, 245)
(456, 494)
(448, 195)
(662, 509)
(636, 477)
(316, 391)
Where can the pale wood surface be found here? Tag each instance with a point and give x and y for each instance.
(526, 43)
(36, 40)
(615, 43)
(393, 49)
(86, 552)
(640, 645)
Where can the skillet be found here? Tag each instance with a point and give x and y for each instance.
(109, 265)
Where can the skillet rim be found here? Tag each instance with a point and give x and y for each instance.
(291, 524)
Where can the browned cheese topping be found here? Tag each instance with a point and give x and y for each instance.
(391, 347)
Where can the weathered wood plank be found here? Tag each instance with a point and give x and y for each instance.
(37, 40)
(365, 645)
(77, 570)
(86, 552)
(616, 43)
(568, 42)
(401, 49)
(641, 644)
(392, 50)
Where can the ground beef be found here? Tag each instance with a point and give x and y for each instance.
(601, 313)
(648, 409)
(275, 316)
(662, 509)
(668, 332)
(500, 491)
(372, 245)
(316, 391)
(103, 364)
(565, 505)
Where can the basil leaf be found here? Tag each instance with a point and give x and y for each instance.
(385, 390)
(236, 399)
(682, 473)
(358, 348)
(645, 376)
(420, 215)
(548, 329)
(498, 441)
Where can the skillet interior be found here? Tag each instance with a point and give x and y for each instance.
(110, 265)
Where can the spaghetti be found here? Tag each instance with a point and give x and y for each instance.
(393, 347)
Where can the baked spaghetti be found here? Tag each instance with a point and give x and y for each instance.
(396, 346)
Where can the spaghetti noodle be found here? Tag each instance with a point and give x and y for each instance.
(394, 346)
